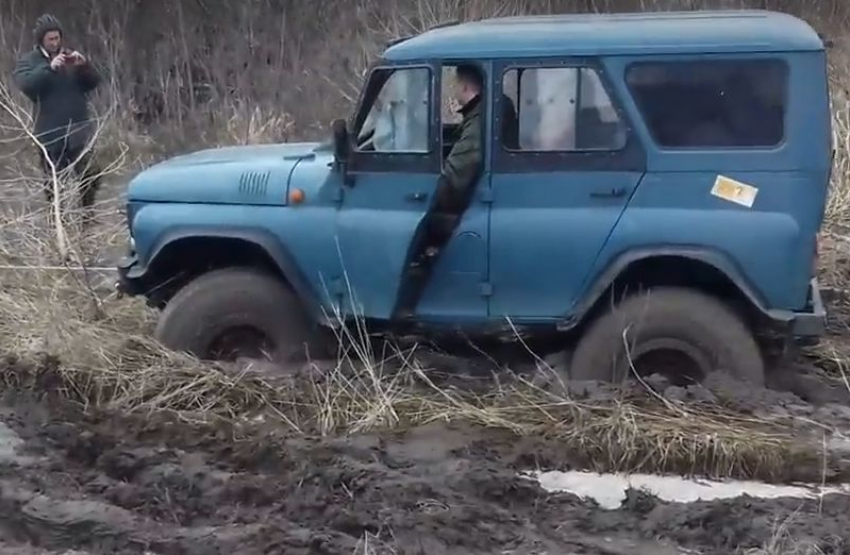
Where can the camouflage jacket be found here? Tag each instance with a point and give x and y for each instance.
(463, 164)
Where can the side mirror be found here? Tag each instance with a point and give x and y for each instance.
(342, 150)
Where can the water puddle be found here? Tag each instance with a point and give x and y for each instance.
(609, 490)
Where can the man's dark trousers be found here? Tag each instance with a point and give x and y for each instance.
(81, 162)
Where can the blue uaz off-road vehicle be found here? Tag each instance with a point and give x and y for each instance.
(655, 201)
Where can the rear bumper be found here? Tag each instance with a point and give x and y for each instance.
(812, 322)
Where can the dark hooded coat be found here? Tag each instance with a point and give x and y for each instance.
(60, 97)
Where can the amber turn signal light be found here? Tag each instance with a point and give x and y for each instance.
(296, 196)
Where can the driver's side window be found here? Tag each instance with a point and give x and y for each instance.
(398, 119)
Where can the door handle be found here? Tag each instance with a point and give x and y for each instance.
(416, 197)
(611, 193)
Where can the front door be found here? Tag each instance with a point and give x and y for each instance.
(560, 182)
(393, 168)
(457, 290)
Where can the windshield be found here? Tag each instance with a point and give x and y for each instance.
(398, 118)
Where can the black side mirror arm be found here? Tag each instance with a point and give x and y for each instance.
(342, 151)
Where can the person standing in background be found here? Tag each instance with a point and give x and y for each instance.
(58, 80)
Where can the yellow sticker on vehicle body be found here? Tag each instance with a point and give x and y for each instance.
(734, 191)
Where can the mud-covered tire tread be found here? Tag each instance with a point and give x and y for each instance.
(235, 295)
(683, 313)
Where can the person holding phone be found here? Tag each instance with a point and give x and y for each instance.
(58, 81)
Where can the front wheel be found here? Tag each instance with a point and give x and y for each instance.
(678, 332)
(237, 312)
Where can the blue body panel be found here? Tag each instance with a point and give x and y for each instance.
(546, 232)
(772, 243)
(375, 227)
(240, 175)
(454, 294)
(309, 229)
(534, 245)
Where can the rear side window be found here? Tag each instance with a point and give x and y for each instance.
(558, 109)
(712, 103)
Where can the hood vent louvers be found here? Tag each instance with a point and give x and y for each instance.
(254, 183)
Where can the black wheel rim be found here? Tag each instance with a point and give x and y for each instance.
(241, 342)
(680, 362)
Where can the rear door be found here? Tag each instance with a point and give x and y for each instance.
(560, 183)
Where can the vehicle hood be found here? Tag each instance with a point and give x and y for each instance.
(256, 174)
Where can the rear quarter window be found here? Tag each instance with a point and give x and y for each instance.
(712, 103)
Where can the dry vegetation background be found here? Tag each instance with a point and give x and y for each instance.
(182, 74)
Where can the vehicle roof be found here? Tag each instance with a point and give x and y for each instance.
(725, 31)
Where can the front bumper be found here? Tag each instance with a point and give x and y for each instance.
(812, 322)
(131, 276)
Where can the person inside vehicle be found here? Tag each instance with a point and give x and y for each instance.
(461, 170)
(463, 164)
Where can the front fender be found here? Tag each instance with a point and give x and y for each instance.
(138, 275)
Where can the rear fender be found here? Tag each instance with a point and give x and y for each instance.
(717, 260)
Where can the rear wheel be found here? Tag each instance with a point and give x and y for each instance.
(678, 332)
(237, 312)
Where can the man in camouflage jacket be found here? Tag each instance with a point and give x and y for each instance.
(462, 167)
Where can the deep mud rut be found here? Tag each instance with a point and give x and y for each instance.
(86, 485)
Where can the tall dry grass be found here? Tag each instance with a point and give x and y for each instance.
(184, 75)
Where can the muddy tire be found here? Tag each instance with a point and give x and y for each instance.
(672, 322)
(236, 312)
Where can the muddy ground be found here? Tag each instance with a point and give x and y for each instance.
(92, 484)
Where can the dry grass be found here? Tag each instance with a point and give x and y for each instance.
(783, 543)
